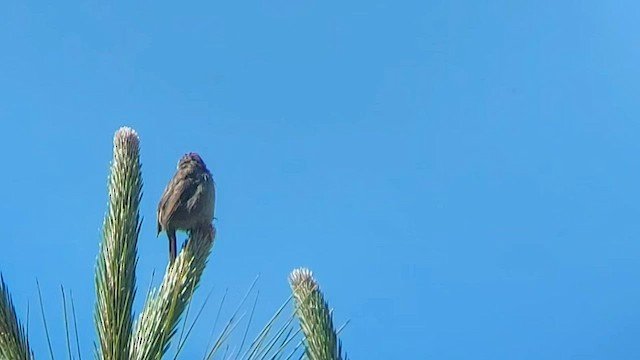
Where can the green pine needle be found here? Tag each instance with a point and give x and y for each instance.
(13, 339)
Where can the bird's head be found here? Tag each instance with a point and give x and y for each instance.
(190, 160)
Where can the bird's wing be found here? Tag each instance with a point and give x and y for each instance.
(175, 195)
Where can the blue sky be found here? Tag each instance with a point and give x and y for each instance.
(461, 176)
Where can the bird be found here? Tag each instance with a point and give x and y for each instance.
(188, 201)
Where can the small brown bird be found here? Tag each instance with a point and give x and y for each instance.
(188, 200)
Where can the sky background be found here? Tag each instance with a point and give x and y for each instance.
(461, 176)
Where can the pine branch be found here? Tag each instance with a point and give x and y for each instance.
(115, 273)
(159, 319)
(321, 340)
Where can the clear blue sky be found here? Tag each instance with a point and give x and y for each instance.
(461, 176)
